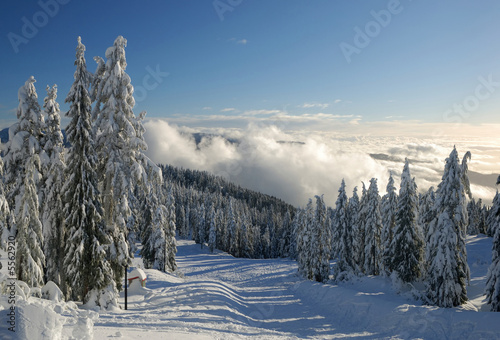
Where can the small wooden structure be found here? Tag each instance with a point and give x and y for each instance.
(137, 275)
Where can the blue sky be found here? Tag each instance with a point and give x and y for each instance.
(428, 61)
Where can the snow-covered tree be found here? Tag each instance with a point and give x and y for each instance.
(447, 269)
(30, 259)
(200, 221)
(88, 273)
(343, 237)
(373, 229)
(212, 236)
(24, 141)
(170, 232)
(321, 243)
(493, 278)
(475, 213)
(356, 225)
(284, 240)
(426, 212)
(158, 238)
(6, 218)
(314, 241)
(388, 208)
(407, 246)
(120, 147)
(304, 241)
(52, 205)
(492, 222)
(361, 230)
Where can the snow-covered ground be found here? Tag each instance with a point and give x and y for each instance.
(216, 296)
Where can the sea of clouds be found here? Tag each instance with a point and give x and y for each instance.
(297, 164)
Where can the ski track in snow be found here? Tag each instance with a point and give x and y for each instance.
(221, 297)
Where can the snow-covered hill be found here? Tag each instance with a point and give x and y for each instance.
(217, 296)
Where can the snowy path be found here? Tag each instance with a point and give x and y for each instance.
(221, 297)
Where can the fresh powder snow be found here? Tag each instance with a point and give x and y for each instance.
(217, 296)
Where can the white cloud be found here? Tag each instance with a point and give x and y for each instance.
(265, 160)
(314, 105)
(228, 109)
(206, 108)
(337, 101)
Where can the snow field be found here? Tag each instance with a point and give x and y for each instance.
(221, 297)
(217, 296)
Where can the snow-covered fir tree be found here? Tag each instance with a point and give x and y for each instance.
(321, 243)
(314, 241)
(475, 213)
(492, 222)
(52, 204)
(407, 246)
(304, 241)
(158, 238)
(361, 232)
(170, 232)
(24, 141)
(212, 236)
(200, 221)
(356, 224)
(6, 217)
(388, 208)
(120, 148)
(88, 273)
(30, 259)
(426, 212)
(447, 269)
(373, 229)
(492, 289)
(343, 237)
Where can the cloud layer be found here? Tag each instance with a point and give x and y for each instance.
(290, 166)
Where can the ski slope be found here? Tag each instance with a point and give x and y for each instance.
(221, 297)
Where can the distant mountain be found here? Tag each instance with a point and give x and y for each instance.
(4, 135)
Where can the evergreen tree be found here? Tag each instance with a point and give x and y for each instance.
(304, 242)
(158, 238)
(284, 244)
(52, 205)
(29, 255)
(343, 237)
(373, 229)
(361, 232)
(493, 278)
(6, 218)
(445, 283)
(492, 221)
(426, 212)
(120, 147)
(200, 221)
(24, 141)
(447, 269)
(170, 233)
(321, 242)
(356, 225)
(407, 246)
(212, 236)
(88, 273)
(474, 211)
(388, 208)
